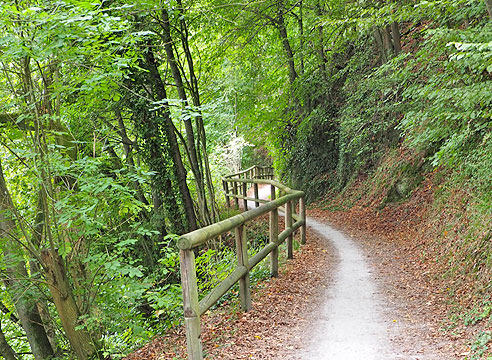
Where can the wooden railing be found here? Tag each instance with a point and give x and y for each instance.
(193, 308)
(254, 172)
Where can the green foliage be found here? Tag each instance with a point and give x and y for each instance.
(370, 114)
(451, 110)
(314, 152)
(479, 346)
(478, 314)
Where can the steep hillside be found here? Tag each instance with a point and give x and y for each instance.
(406, 149)
(442, 231)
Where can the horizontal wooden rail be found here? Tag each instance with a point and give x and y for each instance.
(253, 176)
(253, 172)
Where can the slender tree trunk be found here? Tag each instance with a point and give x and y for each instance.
(81, 341)
(190, 137)
(388, 44)
(201, 138)
(169, 129)
(396, 37)
(18, 279)
(380, 45)
(35, 268)
(488, 5)
(321, 48)
(301, 37)
(163, 188)
(208, 173)
(5, 349)
(129, 156)
(286, 44)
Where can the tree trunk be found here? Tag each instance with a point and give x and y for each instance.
(180, 171)
(5, 349)
(190, 137)
(17, 281)
(301, 38)
(396, 37)
(81, 341)
(380, 45)
(488, 5)
(201, 138)
(285, 42)
(163, 195)
(129, 156)
(388, 44)
(35, 268)
(321, 48)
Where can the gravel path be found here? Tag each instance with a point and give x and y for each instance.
(358, 317)
(350, 325)
(362, 313)
(370, 314)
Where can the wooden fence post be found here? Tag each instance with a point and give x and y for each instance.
(236, 200)
(288, 224)
(302, 213)
(273, 237)
(242, 260)
(257, 196)
(245, 193)
(226, 190)
(190, 304)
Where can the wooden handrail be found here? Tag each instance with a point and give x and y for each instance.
(256, 169)
(193, 308)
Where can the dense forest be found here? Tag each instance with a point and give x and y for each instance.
(118, 120)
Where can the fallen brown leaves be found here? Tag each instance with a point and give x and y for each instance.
(400, 241)
(275, 326)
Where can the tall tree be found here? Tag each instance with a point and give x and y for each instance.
(191, 149)
(18, 279)
(279, 22)
(160, 95)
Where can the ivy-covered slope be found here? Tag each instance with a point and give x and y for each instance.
(402, 121)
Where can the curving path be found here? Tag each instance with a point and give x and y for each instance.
(350, 325)
(354, 319)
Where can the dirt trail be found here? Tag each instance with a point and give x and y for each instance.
(356, 319)
(350, 325)
(344, 296)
